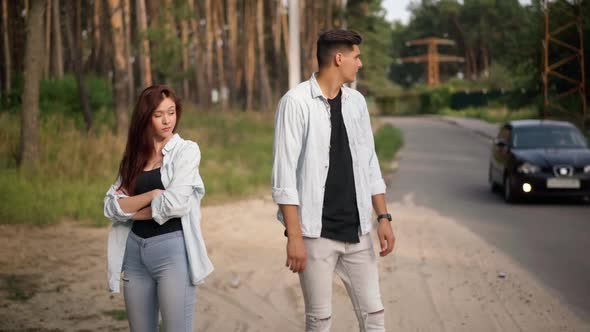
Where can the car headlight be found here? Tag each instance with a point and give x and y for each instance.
(587, 169)
(528, 168)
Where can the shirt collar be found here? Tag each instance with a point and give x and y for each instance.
(316, 91)
(171, 144)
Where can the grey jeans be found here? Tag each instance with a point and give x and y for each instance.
(156, 279)
(356, 265)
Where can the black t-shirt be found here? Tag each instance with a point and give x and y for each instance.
(340, 218)
(147, 181)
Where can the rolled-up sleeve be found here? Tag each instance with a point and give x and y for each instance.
(111, 208)
(176, 200)
(376, 182)
(286, 151)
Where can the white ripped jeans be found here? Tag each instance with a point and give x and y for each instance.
(356, 265)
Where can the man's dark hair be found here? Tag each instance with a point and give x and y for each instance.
(335, 40)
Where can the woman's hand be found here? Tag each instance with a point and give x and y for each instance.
(156, 192)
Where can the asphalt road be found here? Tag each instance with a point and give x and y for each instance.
(444, 167)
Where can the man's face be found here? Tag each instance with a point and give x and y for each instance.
(350, 63)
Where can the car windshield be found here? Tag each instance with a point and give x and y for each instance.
(548, 137)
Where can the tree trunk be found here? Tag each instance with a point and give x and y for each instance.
(293, 44)
(485, 61)
(329, 14)
(265, 93)
(250, 65)
(312, 36)
(29, 138)
(121, 79)
(277, 51)
(185, 60)
(232, 21)
(472, 63)
(145, 64)
(199, 73)
(76, 54)
(7, 56)
(285, 29)
(58, 61)
(77, 26)
(47, 39)
(209, 47)
(128, 46)
(96, 34)
(218, 24)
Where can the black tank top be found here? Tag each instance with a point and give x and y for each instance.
(147, 181)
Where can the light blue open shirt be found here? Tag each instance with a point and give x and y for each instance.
(302, 154)
(181, 198)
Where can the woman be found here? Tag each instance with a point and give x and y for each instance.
(155, 238)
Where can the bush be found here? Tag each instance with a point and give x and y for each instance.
(62, 95)
(423, 101)
(494, 115)
(388, 141)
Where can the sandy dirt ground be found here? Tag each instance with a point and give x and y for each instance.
(440, 277)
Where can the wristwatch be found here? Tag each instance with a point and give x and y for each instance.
(384, 216)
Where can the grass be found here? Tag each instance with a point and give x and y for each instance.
(493, 115)
(388, 141)
(76, 168)
(117, 314)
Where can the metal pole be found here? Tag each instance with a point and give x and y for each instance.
(580, 25)
(294, 45)
(546, 62)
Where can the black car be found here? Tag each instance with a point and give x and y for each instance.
(540, 158)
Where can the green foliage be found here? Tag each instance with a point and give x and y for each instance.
(419, 101)
(62, 95)
(75, 169)
(511, 35)
(401, 104)
(117, 314)
(388, 141)
(494, 115)
(367, 18)
(166, 56)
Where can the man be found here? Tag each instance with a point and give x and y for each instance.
(325, 178)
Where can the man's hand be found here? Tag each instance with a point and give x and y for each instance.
(386, 237)
(296, 254)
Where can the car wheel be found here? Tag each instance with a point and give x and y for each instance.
(493, 185)
(509, 195)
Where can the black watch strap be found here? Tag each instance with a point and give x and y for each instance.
(384, 216)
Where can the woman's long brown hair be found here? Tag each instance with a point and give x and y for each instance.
(140, 142)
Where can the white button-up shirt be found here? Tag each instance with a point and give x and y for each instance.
(301, 154)
(181, 198)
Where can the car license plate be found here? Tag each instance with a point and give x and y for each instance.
(563, 183)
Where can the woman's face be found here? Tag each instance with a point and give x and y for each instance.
(164, 119)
